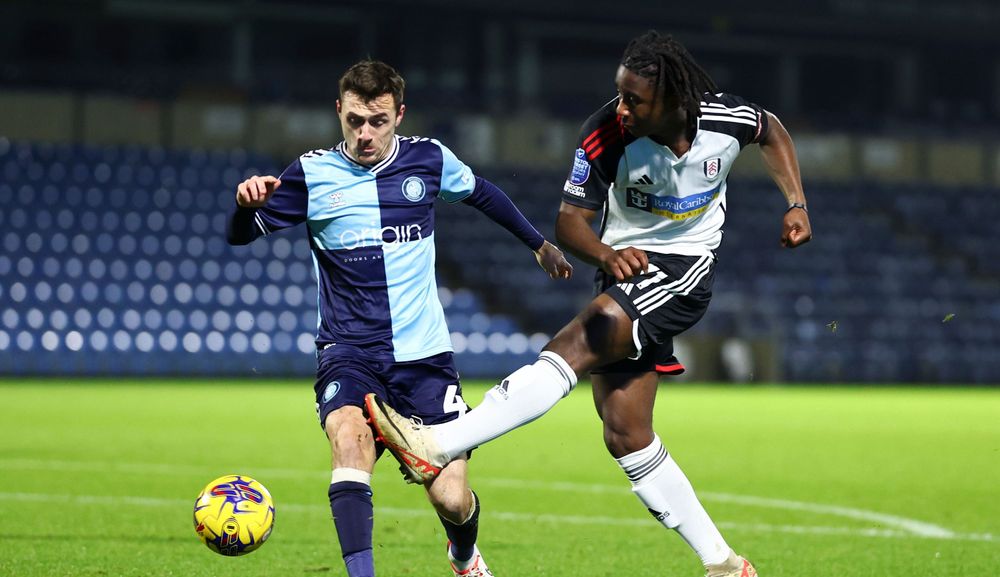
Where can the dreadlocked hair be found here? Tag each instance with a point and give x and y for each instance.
(672, 69)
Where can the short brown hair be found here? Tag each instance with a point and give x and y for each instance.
(370, 79)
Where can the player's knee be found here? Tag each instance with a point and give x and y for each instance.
(607, 328)
(338, 419)
(349, 434)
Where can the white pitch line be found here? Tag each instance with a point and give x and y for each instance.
(911, 526)
(595, 520)
(920, 528)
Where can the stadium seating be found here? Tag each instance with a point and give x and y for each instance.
(891, 289)
(114, 262)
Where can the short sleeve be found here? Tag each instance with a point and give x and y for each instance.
(735, 116)
(457, 179)
(599, 149)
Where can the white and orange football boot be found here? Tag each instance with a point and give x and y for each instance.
(734, 566)
(475, 567)
(409, 440)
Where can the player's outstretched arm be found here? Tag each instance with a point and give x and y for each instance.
(782, 164)
(495, 204)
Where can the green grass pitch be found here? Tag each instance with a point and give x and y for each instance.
(99, 479)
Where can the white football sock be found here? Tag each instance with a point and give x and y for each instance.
(519, 399)
(661, 485)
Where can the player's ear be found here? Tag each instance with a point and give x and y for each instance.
(338, 107)
(399, 115)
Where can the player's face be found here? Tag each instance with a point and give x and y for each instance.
(369, 127)
(642, 112)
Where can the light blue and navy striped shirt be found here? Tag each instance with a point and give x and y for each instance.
(371, 229)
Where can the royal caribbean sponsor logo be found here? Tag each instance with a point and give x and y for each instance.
(672, 207)
(574, 189)
(581, 168)
(414, 189)
(388, 237)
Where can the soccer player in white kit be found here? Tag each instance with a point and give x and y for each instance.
(655, 161)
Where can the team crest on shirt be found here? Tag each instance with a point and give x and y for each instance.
(581, 168)
(414, 188)
(331, 391)
(713, 167)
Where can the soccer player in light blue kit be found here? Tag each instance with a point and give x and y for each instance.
(368, 205)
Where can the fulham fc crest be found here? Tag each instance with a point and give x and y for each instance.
(713, 166)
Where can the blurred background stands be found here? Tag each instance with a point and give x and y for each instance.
(125, 125)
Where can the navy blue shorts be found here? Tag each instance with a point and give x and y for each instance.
(426, 388)
(665, 301)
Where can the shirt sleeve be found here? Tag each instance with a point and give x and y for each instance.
(595, 160)
(495, 204)
(457, 179)
(735, 116)
(286, 208)
(289, 203)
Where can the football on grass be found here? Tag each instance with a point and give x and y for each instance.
(234, 515)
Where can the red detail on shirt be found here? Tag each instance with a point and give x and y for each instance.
(606, 134)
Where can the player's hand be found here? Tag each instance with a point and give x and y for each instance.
(795, 229)
(625, 263)
(552, 261)
(255, 191)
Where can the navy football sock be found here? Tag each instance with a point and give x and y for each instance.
(351, 504)
(463, 537)
(360, 564)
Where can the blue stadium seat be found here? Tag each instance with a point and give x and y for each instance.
(120, 249)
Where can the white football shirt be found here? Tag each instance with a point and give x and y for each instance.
(653, 200)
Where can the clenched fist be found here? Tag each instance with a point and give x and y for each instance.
(255, 191)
